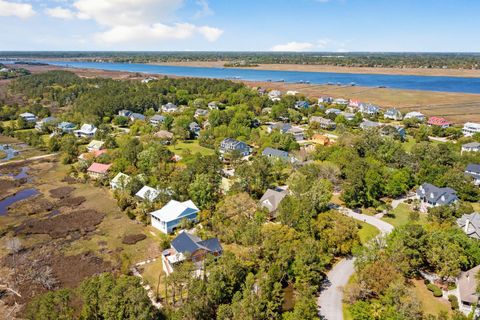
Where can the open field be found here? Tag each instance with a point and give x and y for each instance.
(430, 304)
(401, 216)
(191, 147)
(337, 69)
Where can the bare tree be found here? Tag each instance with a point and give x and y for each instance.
(14, 245)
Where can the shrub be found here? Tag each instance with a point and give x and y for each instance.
(452, 286)
(453, 301)
(435, 290)
(426, 281)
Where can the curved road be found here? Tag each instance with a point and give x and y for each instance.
(330, 300)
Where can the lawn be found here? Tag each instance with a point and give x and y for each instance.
(430, 304)
(401, 216)
(151, 273)
(367, 232)
(192, 147)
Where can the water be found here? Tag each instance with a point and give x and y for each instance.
(21, 195)
(426, 83)
(9, 151)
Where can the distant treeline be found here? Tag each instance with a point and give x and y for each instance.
(357, 59)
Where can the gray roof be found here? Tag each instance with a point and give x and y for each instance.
(435, 195)
(137, 116)
(271, 152)
(282, 127)
(473, 170)
(370, 124)
(157, 117)
(467, 285)
(471, 145)
(470, 224)
(187, 242)
(272, 198)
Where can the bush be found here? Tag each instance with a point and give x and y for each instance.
(453, 301)
(426, 281)
(452, 286)
(436, 290)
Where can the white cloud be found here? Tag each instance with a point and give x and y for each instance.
(293, 46)
(21, 10)
(205, 9)
(211, 34)
(60, 13)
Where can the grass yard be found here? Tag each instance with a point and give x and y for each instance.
(401, 216)
(367, 232)
(150, 274)
(191, 147)
(430, 304)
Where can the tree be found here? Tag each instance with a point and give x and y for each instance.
(54, 305)
(202, 191)
(338, 231)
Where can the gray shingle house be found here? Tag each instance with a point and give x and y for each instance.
(229, 145)
(157, 119)
(280, 126)
(275, 153)
(271, 199)
(393, 114)
(470, 224)
(323, 122)
(471, 147)
(473, 170)
(432, 196)
(137, 116)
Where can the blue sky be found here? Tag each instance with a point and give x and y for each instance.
(241, 25)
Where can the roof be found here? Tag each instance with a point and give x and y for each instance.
(27, 115)
(164, 134)
(473, 169)
(275, 153)
(147, 193)
(438, 121)
(92, 154)
(283, 127)
(272, 198)
(467, 285)
(157, 117)
(370, 124)
(99, 168)
(392, 112)
(121, 177)
(137, 116)
(48, 120)
(471, 145)
(89, 128)
(414, 114)
(234, 143)
(174, 210)
(187, 242)
(437, 195)
(333, 110)
(322, 120)
(470, 224)
(472, 125)
(169, 106)
(95, 144)
(66, 125)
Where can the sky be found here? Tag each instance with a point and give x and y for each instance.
(241, 25)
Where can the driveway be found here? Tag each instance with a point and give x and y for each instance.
(330, 300)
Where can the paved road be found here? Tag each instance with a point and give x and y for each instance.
(330, 300)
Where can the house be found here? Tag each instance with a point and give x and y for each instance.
(470, 224)
(320, 139)
(261, 91)
(188, 246)
(98, 170)
(89, 156)
(432, 196)
(393, 114)
(275, 153)
(95, 145)
(271, 200)
(334, 111)
(340, 102)
(348, 116)
(137, 117)
(367, 124)
(66, 127)
(301, 105)
(471, 147)
(470, 128)
(147, 193)
(473, 170)
(169, 108)
(369, 109)
(229, 145)
(157, 119)
(201, 113)
(169, 217)
(120, 181)
(125, 113)
(323, 123)
(29, 117)
(44, 123)
(194, 128)
(86, 131)
(389, 130)
(280, 126)
(325, 100)
(439, 122)
(292, 93)
(354, 103)
(415, 115)
(164, 135)
(213, 105)
(297, 132)
(467, 291)
(149, 79)
(274, 95)
(4, 70)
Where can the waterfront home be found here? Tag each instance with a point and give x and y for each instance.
(280, 126)
(369, 109)
(95, 145)
(86, 131)
(473, 170)
(125, 113)
(393, 114)
(323, 122)
(438, 122)
(277, 154)
(213, 105)
(297, 132)
(44, 123)
(188, 246)
(320, 139)
(470, 128)
(98, 170)
(170, 216)
(120, 181)
(340, 102)
(432, 196)
(137, 117)
(325, 100)
(467, 291)
(201, 113)
(29, 117)
(301, 105)
(156, 120)
(274, 95)
(169, 108)
(230, 145)
(147, 193)
(66, 127)
(471, 147)
(271, 200)
(470, 224)
(415, 115)
(333, 111)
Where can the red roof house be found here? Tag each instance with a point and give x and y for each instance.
(98, 170)
(438, 121)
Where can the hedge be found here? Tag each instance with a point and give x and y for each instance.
(453, 301)
(436, 290)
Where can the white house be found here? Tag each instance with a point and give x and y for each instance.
(29, 117)
(415, 115)
(274, 95)
(169, 217)
(95, 145)
(470, 128)
(393, 114)
(169, 107)
(473, 170)
(157, 119)
(147, 193)
(120, 181)
(87, 131)
(471, 147)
